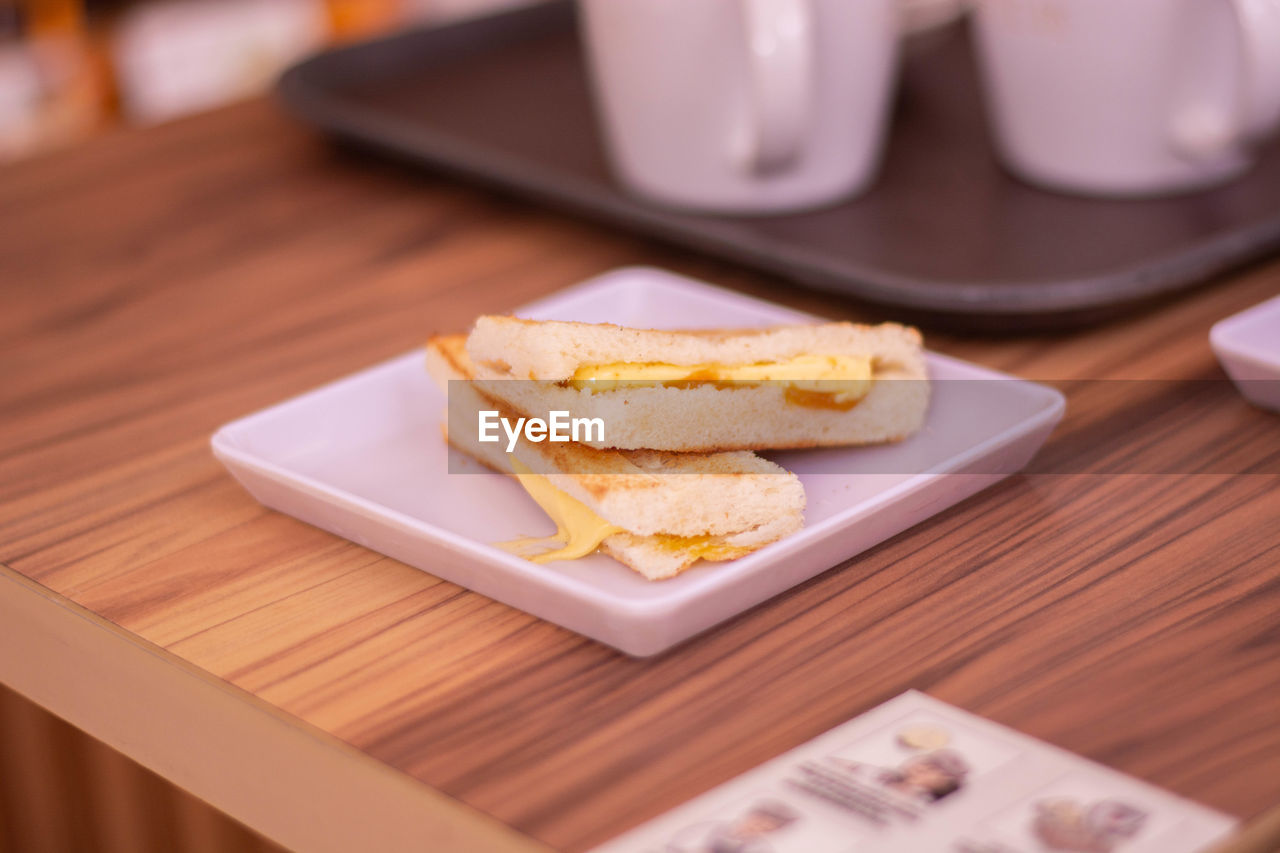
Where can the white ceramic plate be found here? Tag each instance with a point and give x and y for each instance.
(362, 458)
(1248, 345)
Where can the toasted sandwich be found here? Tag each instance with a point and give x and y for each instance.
(783, 387)
(657, 512)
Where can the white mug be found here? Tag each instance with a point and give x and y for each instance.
(1129, 97)
(742, 106)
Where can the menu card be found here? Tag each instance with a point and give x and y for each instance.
(916, 774)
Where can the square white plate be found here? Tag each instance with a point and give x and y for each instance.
(1248, 345)
(362, 458)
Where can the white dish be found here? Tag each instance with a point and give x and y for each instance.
(1248, 345)
(362, 458)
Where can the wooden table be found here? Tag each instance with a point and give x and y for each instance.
(159, 283)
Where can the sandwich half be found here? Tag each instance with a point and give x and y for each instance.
(783, 387)
(656, 512)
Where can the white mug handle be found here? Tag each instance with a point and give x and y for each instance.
(1260, 36)
(780, 48)
(1257, 107)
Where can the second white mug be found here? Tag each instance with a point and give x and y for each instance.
(1129, 97)
(742, 106)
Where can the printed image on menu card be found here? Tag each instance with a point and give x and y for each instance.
(766, 821)
(905, 770)
(1084, 812)
(916, 774)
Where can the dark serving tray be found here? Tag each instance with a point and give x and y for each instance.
(944, 234)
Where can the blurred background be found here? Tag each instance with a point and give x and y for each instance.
(73, 70)
(70, 69)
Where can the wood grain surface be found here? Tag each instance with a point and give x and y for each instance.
(163, 282)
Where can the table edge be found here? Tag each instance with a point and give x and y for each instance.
(223, 744)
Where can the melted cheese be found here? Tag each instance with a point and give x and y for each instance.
(701, 547)
(813, 381)
(579, 531)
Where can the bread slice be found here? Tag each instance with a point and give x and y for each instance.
(737, 500)
(527, 365)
